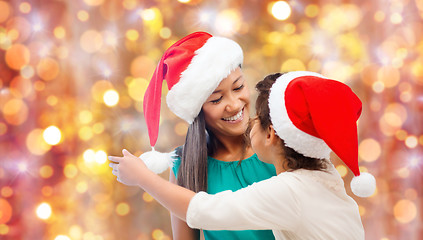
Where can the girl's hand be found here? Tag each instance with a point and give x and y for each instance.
(128, 169)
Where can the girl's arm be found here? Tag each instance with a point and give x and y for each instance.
(269, 204)
(180, 229)
(132, 171)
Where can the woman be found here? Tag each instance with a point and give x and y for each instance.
(208, 90)
(295, 129)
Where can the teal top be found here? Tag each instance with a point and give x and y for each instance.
(233, 176)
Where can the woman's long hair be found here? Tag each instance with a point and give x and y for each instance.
(192, 173)
(200, 142)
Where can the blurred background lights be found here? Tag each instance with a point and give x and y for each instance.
(73, 76)
(369, 150)
(52, 135)
(46, 171)
(89, 156)
(70, 171)
(147, 197)
(405, 211)
(148, 14)
(5, 11)
(6, 191)
(17, 56)
(280, 10)
(44, 211)
(5, 210)
(93, 2)
(25, 7)
(59, 32)
(411, 141)
(205, 16)
(132, 35)
(414, 161)
(37, 27)
(62, 237)
(312, 10)
(36, 143)
(83, 15)
(122, 209)
(48, 69)
(4, 229)
(75, 232)
(22, 167)
(85, 116)
(107, 72)
(100, 157)
(91, 41)
(228, 22)
(111, 98)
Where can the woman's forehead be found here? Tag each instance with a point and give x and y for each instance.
(228, 82)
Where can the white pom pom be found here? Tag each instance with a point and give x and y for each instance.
(363, 185)
(158, 162)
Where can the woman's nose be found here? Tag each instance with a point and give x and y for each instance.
(233, 104)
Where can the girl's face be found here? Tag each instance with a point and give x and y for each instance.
(226, 111)
(258, 138)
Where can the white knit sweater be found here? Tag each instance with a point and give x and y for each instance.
(301, 204)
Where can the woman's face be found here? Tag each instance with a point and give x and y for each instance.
(226, 111)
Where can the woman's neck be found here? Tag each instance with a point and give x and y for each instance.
(232, 149)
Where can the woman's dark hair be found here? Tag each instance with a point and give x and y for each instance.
(200, 142)
(192, 173)
(294, 160)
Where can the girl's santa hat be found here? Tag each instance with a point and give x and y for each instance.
(314, 116)
(193, 67)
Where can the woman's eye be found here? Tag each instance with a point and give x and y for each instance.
(216, 101)
(239, 88)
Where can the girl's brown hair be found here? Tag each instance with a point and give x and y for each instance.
(294, 160)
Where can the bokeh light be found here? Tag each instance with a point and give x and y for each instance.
(111, 98)
(369, 150)
(17, 56)
(5, 210)
(72, 81)
(52, 135)
(280, 10)
(62, 237)
(44, 211)
(4, 11)
(405, 211)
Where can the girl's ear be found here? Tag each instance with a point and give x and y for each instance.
(271, 137)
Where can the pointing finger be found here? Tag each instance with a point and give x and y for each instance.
(114, 159)
(126, 153)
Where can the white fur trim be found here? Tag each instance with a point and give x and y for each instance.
(213, 62)
(294, 138)
(363, 185)
(158, 162)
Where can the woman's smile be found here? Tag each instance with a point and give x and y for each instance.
(235, 118)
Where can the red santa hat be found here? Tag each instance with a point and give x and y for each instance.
(314, 116)
(193, 67)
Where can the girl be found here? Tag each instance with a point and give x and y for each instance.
(208, 90)
(301, 117)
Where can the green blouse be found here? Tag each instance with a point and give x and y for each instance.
(233, 176)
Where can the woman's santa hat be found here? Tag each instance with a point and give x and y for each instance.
(193, 67)
(314, 116)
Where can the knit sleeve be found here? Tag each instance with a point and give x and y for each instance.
(269, 204)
